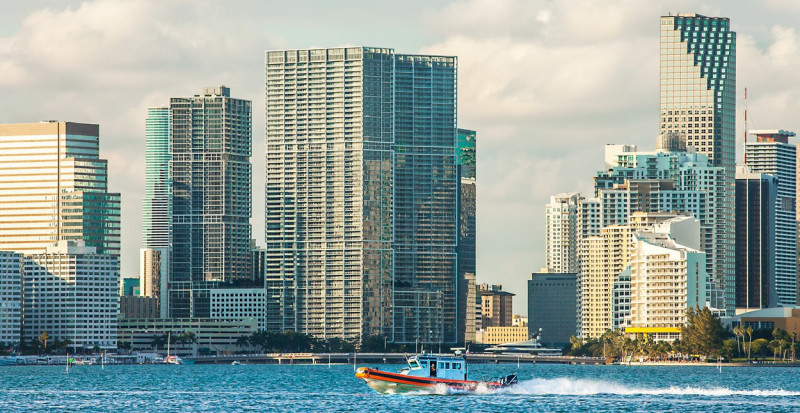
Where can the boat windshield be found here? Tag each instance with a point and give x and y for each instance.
(414, 364)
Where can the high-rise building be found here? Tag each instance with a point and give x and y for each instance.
(209, 184)
(756, 285)
(362, 194)
(157, 205)
(465, 160)
(698, 106)
(563, 232)
(71, 292)
(551, 307)
(10, 297)
(54, 186)
(496, 306)
(673, 181)
(153, 275)
(772, 154)
(603, 258)
(667, 277)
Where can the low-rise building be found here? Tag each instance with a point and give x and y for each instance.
(784, 318)
(496, 305)
(190, 336)
(502, 335)
(235, 304)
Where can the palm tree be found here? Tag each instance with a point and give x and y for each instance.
(43, 339)
(749, 331)
(737, 331)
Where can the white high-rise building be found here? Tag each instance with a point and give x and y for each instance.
(71, 292)
(563, 233)
(667, 277)
(10, 297)
(772, 154)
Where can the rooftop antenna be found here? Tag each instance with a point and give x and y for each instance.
(745, 127)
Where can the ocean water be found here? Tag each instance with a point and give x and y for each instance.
(314, 388)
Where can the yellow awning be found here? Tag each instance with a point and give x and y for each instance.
(652, 330)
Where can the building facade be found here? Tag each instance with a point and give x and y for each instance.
(563, 232)
(551, 307)
(54, 186)
(698, 105)
(771, 153)
(496, 306)
(210, 143)
(467, 231)
(157, 203)
(756, 274)
(362, 194)
(71, 292)
(666, 278)
(10, 297)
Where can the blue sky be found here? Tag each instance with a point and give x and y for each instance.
(545, 83)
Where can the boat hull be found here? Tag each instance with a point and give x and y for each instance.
(392, 383)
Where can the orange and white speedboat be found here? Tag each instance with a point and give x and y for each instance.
(430, 372)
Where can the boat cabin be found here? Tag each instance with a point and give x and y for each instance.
(439, 366)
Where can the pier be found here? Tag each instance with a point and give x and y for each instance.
(381, 358)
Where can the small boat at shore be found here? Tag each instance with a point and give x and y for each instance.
(430, 372)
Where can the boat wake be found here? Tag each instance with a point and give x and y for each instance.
(581, 387)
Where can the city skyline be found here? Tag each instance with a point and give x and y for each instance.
(522, 112)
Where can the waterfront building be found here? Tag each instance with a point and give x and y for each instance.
(496, 306)
(466, 164)
(784, 318)
(563, 232)
(621, 300)
(771, 153)
(71, 292)
(54, 186)
(470, 312)
(362, 194)
(10, 297)
(604, 258)
(698, 106)
(552, 307)
(756, 195)
(209, 336)
(667, 277)
(503, 335)
(674, 179)
(209, 186)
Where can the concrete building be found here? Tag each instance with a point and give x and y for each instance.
(502, 335)
(236, 304)
(71, 292)
(497, 306)
(756, 285)
(604, 258)
(54, 186)
(154, 270)
(563, 232)
(135, 306)
(698, 105)
(362, 194)
(681, 182)
(210, 143)
(211, 336)
(785, 318)
(771, 153)
(467, 232)
(10, 297)
(551, 307)
(470, 311)
(666, 278)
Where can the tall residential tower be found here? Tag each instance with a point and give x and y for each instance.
(361, 194)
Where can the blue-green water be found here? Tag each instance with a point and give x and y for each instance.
(322, 388)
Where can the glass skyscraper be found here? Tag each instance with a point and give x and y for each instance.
(211, 179)
(156, 205)
(54, 186)
(361, 194)
(698, 105)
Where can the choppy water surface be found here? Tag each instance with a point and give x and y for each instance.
(335, 388)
